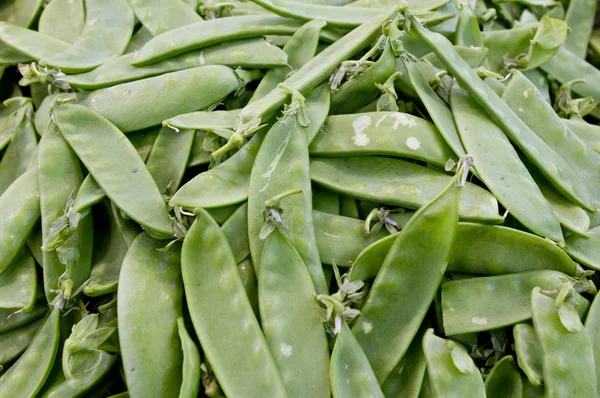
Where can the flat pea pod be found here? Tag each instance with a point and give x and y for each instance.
(467, 28)
(11, 320)
(8, 113)
(26, 377)
(592, 326)
(150, 101)
(504, 380)
(425, 245)
(362, 89)
(326, 201)
(506, 43)
(31, 45)
(348, 207)
(190, 383)
(585, 251)
(351, 373)
(221, 214)
(198, 156)
(110, 20)
(290, 320)
(474, 56)
(19, 213)
(521, 95)
(236, 231)
(246, 270)
(245, 53)
(18, 284)
(150, 288)
(381, 133)
(394, 182)
(20, 12)
(204, 120)
(16, 341)
(124, 180)
(529, 352)
(63, 19)
(212, 287)
(589, 133)
(558, 171)
(451, 371)
(580, 19)
(159, 16)
(502, 300)
(565, 374)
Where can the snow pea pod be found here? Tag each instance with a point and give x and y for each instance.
(159, 16)
(10, 320)
(236, 231)
(502, 300)
(290, 320)
(63, 19)
(348, 207)
(556, 169)
(529, 352)
(467, 28)
(506, 43)
(396, 184)
(504, 380)
(15, 342)
(18, 284)
(166, 169)
(20, 12)
(565, 374)
(580, 19)
(474, 56)
(451, 371)
(326, 201)
(150, 288)
(499, 167)
(138, 40)
(213, 287)
(246, 270)
(221, 214)
(26, 377)
(127, 182)
(592, 326)
(8, 113)
(422, 246)
(198, 155)
(589, 133)
(112, 20)
(29, 44)
(586, 251)
(351, 373)
(190, 384)
(204, 120)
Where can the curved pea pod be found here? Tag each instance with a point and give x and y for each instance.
(236, 231)
(19, 213)
(118, 168)
(145, 103)
(585, 251)
(35, 363)
(20, 12)
(504, 380)
(246, 270)
(589, 133)
(221, 214)
(107, 30)
(529, 353)
(564, 66)
(400, 183)
(356, 93)
(451, 370)
(474, 56)
(351, 373)
(89, 194)
(499, 167)
(159, 16)
(204, 120)
(63, 19)
(291, 320)
(9, 110)
(424, 246)
(138, 40)
(501, 300)
(565, 374)
(29, 44)
(198, 155)
(381, 133)
(18, 284)
(13, 343)
(10, 320)
(245, 53)
(213, 287)
(580, 19)
(326, 201)
(42, 114)
(190, 384)
(592, 326)
(150, 291)
(371, 258)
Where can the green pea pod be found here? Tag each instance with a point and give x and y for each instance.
(19, 213)
(550, 35)
(118, 169)
(35, 363)
(504, 380)
(474, 56)
(89, 194)
(29, 44)
(291, 321)
(206, 120)
(351, 373)
(11, 320)
(18, 284)
(565, 374)
(589, 133)
(63, 19)
(246, 270)
(451, 371)
(138, 40)
(198, 155)
(502, 300)
(531, 391)
(529, 353)
(190, 384)
(424, 244)
(348, 207)
(326, 201)
(150, 288)
(9, 110)
(393, 182)
(579, 18)
(467, 28)
(585, 251)
(222, 214)
(213, 287)
(236, 231)
(159, 16)
(592, 326)
(20, 12)
(15, 342)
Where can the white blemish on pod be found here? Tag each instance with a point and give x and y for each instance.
(367, 327)
(286, 350)
(360, 124)
(479, 321)
(402, 119)
(413, 143)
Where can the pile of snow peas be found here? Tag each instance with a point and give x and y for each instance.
(320, 198)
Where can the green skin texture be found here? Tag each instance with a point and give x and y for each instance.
(15, 342)
(115, 168)
(592, 326)
(467, 28)
(565, 374)
(400, 295)
(399, 183)
(150, 288)
(26, 376)
(21, 318)
(490, 311)
(358, 92)
(213, 287)
(246, 53)
(236, 231)
(529, 352)
(246, 270)
(159, 16)
(8, 114)
(19, 213)
(326, 201)
(506, 42)
(585, 251)
(155, 99)
(18, 285)
(474, 56)
(446, 380)
(20, 12)
(206, 120)
(580, 19)
(63, 19)
(291, 321)
(558, 171)
(499, 167)
(389, 133)
(351, 374)
(29, 44)
(106, 33)
(190, 384)
(504, 380)
(590, 133)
